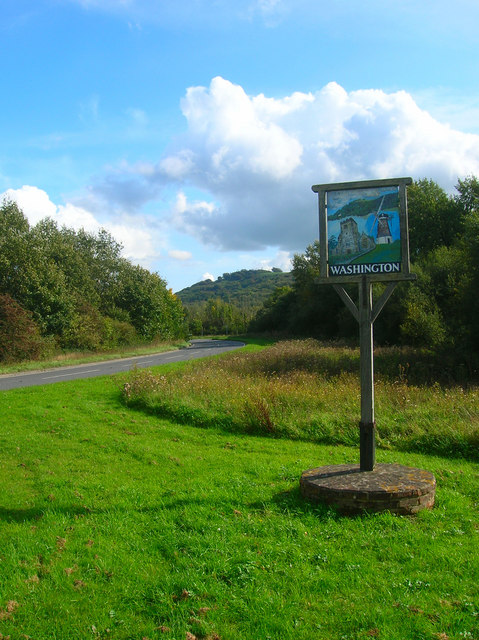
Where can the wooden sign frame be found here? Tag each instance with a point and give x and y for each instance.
(378, 203)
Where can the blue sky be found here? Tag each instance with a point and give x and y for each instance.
(193, 130)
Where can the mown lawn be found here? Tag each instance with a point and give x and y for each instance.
(116, 523)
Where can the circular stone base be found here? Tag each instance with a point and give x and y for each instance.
(389, 487)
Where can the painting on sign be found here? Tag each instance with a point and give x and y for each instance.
(364, 231)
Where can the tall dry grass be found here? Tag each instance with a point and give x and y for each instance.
(304, 389)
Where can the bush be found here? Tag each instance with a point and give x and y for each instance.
(86, 330)
(20, 337)
(91, 331)
(117, 333)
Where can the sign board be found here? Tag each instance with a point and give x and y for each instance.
(364, 230)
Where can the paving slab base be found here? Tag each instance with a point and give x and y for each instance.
(389, 487)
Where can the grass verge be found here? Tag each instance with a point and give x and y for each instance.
(119, 524)
(82, 357)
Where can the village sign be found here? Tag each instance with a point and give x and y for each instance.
(364, 239)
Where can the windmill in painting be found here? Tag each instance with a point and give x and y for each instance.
(381, 218)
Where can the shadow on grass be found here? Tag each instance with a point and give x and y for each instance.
(292, 503)
(289, 503)
(36, 513)
(452, 445)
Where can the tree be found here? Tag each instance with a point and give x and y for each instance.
(435, 219)
(62, 248)
(273, 316)
(154, 311)
(79, 289)
(468, 198)
(14, 249)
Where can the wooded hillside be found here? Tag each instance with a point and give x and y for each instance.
(228, 304)
(245, 288)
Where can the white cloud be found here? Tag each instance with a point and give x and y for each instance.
(34, 202)
(137, 243)
(242, 172)
(74, 217)
(237, 134)
(198, 211)
(177, 166)
(177, 254)
(208, 276)
(282, 260)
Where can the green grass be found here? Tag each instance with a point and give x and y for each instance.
(119, 524)
(382, 253)
(82, 357)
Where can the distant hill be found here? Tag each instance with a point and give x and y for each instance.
(247, 288)
(366, 207)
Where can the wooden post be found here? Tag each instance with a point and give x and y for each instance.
(367, 426)
(366, 313)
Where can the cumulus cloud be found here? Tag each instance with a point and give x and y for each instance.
(241, 174)
(255, 158)
(238, 133)
(34, 202)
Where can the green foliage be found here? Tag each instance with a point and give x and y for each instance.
(14, 250)
(20, 337)
(79, 289)
(468, 194)
(215, 316)
(246, 288)
(435, 219)
(86, 330)
(271, 317)
(154, 311)
(422, 323)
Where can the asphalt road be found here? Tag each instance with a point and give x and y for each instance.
(197, 349)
